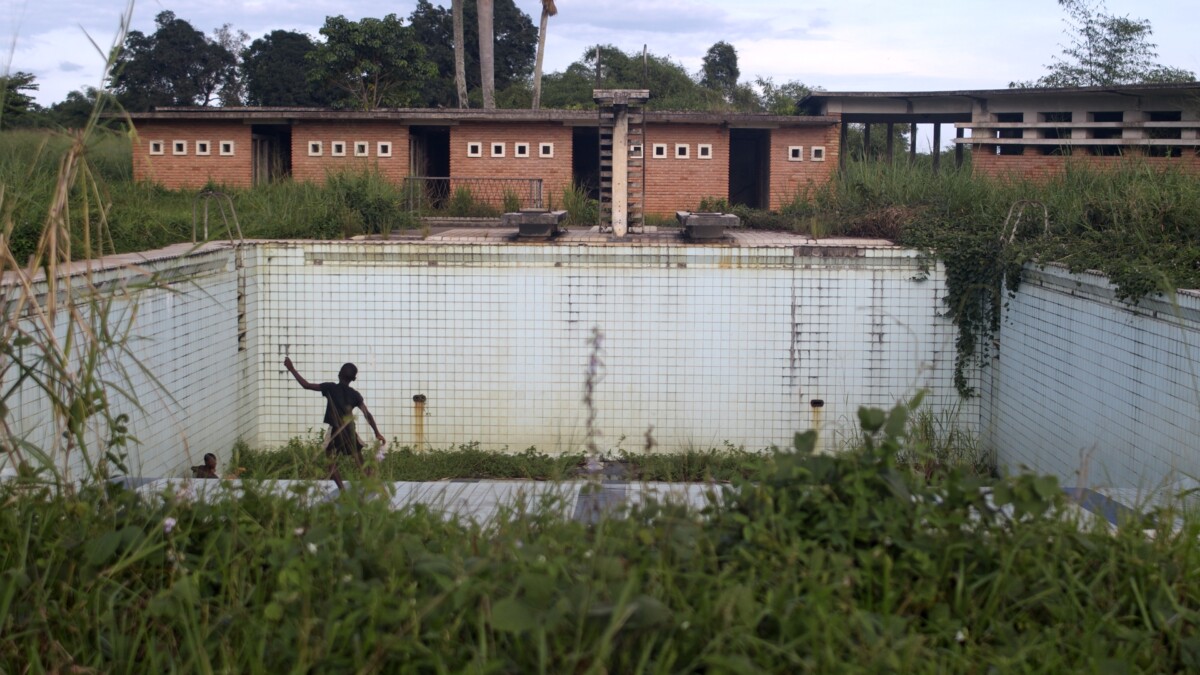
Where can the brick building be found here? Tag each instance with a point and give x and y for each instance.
(1037, 132)
(639, 162)
(762, 161)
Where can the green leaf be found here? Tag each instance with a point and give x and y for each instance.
(99, 551)
(805, 443)
(871, 419)
(512, 616)
(273, 612)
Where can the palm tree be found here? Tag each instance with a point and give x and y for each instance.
(487, 53)
(460, 50)
(548, 10)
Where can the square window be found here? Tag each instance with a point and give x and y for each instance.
(520, 149)
(682, 151)
(337, 148)
(818, 153)
(156, 147)
(497, 149)
(203, 148)
(704, 151)
(178, 147)
(795, 153)
(227, 148)
(635, 151)
(545, 150)
(362, 148)
(474, 149)
(383, 148)
(660, 150)
(315, 148)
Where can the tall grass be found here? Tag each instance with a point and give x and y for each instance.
(60, 338)
(818, 564)
(141, 216)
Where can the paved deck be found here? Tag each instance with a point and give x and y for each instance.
(479, 501)
(586, 501)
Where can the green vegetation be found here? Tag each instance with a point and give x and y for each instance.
(141, 217)
(1136, 223)
(304, 459)
(819, 563)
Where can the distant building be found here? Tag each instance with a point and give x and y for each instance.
(672, 160)
(1033, 132)
(637, 162)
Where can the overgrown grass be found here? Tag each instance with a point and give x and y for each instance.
(304, 458)
(819, 564)
(144, 216)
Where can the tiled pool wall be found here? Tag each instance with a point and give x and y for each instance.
(700, 345)
(190, 375)
(1093, 389)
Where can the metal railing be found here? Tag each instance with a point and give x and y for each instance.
(465, 197)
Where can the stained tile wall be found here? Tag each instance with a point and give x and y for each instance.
(700, 345)
(181, 365)
(1094, 390)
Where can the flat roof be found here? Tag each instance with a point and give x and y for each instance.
(452, 116)
(1120, 90)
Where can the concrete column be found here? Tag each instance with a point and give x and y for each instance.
(620, 172)
(1188, 116)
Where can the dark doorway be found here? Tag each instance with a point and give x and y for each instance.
(750, 167)
(270, 153)
(429, 159)
(585, 160)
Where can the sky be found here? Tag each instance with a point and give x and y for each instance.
(835, 45)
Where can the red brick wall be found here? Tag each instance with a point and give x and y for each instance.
(789, 178)
(1038, 166)
(314, 169)
(191, 171)
(555, 171)
(679, 184)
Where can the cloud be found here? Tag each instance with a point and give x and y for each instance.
(62, 60)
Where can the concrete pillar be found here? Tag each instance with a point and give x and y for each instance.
(620, 172)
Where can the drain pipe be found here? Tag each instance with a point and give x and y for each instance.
(419, 422)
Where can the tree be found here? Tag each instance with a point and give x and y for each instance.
(780, 99)
(720, 70)
(670, 85)
(371, 63)
(176, 65)
(17, 108)
(74, 111)
(487, 53)
(233, 87)
(460, 54)
(548, 10)
(515, 44)
(1105, 50)
(274, 71)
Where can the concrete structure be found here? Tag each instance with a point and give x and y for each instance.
(477, 339)
(1036, 132)
(762, 161)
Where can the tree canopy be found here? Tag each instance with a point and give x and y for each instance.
(720, 71)
(175, 65)
(17, 108)
(372, 63)
(274, 69)
(515, 50)
(1105, 50)
(670, 85)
